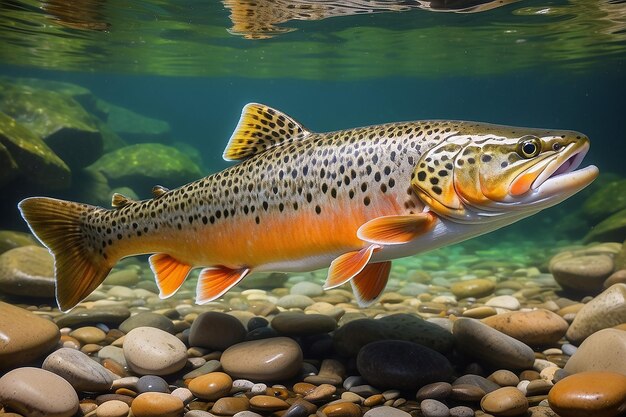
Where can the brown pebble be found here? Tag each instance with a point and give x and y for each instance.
(100, 399)
(300, 408)
(598, 394)
(113, 408)
(303, 388)
(434, 391)
(320, 393)
(126, 391)
(230, 405)
(90, 348)
(211, 386)
(89, 334)
(538, 387)
(157, 404)
(480, 312)
(114, 367)
(331, 372)
(343, 409)
(374, 400)
(86, 407)
(281, 393)
(268, 403)
(467, 392)
(507, 401)
(504, 378)
(529, 375)
(69, 342)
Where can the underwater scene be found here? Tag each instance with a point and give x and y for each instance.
(298, 208)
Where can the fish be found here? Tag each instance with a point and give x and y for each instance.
(295, 200)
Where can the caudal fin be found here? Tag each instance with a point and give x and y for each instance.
(79, 266)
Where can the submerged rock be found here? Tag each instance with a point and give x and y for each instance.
(132, 126)
(584, 269)
(28, 158)
(58, 119)
(142, 166)
(602, 351)
(609, 199)
(612, 229)
(10, 239)
(27, 271)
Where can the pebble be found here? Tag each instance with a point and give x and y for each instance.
(89, 334)
(473, 288)
(310, 289)
(294, 301)
(300, 324)
(507, 401)
(504, 378)
(615, 278)
(300, 408)
(341, 409)
(273, 359)
(534, 328)
(606, 310)
(113, 315)
(322, 392)
(266, 403)
(435, 391)
(147, 319)
(477, 380)
(184, 394)
(29, 391)
(211, 386)
(491, 346)
(157, 404)
(504, 301)
(434, 408)
(386, 411)
(114, 408)
(151, 351)
(210, 366)
(216, 331)
(114, 353)
(24, 336)
(351, 337)
(584, 273)
(82, 372)
(152, 383)
(230, 405)
(27, 271)
(604, 350)
(598, 394)
(397, 364)
(462, 411)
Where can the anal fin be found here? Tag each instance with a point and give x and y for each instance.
(396, 230)
(348, 265)
(369, 284)
(213, 282)
(169, 273)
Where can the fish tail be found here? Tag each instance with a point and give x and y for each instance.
(59, 225)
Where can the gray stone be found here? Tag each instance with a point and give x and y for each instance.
(310, 289)
(478, 381)
(147, 319)
(386, 411)
(80, 316)
(216, 331)
(491, 346)
(152, 383)
(434, 408)
(82, 372)
(352, 336)
(300, 324)
(584, 273)
(606, 310)
(151, 351)
(294, 301)
(27, 271)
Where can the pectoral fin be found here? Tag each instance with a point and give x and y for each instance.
(396, 230)
(169, 273)
(346, 266)
(215, 281)
(370, 283)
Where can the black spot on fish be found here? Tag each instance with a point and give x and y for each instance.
(421, 175)
(437, 190)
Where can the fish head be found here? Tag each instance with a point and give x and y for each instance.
(489, 172)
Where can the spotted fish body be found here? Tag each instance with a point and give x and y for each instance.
(352, 200)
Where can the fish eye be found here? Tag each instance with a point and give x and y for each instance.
(529, 148)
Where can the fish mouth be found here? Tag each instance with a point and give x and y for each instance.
(560, 177)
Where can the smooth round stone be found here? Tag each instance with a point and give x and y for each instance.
(584, 273)
(477, 380)
(535, 328)
(147, 319)
(397, 364)
(491, 346)
(268, 403)
(88, 334)
(211, 386)
(257, 323)
(507, 401)
(463, 411)
(466, 392)
(341, 409)
(323, 392)
(119, 292)
(27, 271)
(151, 351)
(473, 288)
(598, 394)
(310, 289)
(157, 404)
(24, 336)
(604, 350)
(29, 391)
(126, 277)
(352, 336)
(386, 411)
(504, 301)
(504, 378)
(479, 312)
(300, 324)
(210, 366)
(113, 352)
(434, 408)
(300, 408)
(295, 301)
(113, 315)
(434, 391)
(82, 372)
(114, 408)
(152, 383)
(264, 360)
(616, 277)
(216, 331)
(606, 310)
(229, 406)
(184, 394)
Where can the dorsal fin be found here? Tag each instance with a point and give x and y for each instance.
(260, 128)
(158, 191)
(118, 200)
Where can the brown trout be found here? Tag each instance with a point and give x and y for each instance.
(351, 200)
